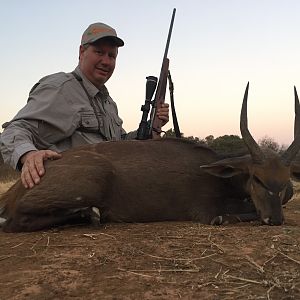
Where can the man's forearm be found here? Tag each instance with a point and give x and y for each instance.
(15, 141)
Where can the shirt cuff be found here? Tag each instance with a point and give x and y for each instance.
(19, 151)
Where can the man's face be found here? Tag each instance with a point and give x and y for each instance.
(97, 61)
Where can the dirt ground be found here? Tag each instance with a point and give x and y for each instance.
(155, 261)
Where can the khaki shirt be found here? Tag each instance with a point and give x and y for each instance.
(58, 116)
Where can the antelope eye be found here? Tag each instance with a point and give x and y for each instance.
(259, 182)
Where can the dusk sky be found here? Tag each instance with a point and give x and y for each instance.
(217, 46)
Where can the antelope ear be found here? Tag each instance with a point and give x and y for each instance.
(229, 167)
(295, 170)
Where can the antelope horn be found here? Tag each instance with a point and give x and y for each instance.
(256, 153)
(297, 113)
(291, 152)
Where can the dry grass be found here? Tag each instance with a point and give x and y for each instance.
(4, 186)
(296, 187)
(7, 173)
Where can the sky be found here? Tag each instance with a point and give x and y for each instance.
(217, 46)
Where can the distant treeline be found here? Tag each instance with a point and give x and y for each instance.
(228, 144)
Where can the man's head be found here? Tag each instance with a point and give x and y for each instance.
(98, 52)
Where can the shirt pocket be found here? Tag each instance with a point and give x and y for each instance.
(116, 130)
(89, 122)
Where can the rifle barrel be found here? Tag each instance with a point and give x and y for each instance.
(170, 33)
(155, 123)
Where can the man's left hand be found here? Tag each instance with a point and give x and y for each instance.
(163, 113)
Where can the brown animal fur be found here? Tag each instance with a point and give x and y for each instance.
(129, 181)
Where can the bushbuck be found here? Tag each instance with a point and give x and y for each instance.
(156, 180)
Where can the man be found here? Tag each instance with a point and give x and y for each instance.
(65, 110)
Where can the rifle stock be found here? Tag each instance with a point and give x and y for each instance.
(155, 122)
(153, 128)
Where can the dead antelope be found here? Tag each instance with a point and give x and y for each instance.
(156, 180)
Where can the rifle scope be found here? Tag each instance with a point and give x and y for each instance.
(142, 133)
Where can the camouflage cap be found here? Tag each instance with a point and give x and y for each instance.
(98, 31)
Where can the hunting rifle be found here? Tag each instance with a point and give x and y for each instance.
(152, 128)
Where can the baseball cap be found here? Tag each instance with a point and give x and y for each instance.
(98, 31)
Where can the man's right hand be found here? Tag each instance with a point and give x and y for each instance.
(33, 166)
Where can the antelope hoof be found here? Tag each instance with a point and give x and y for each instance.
(95, 216)
(218, 220)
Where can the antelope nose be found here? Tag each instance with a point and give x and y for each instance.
(272, 221)
(275, 222)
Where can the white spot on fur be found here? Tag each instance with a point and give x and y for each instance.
(78, 198)
(2, 221)
(76, 156)
(266, 221)
(96, 210)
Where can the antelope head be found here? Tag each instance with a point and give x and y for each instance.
(269, 173)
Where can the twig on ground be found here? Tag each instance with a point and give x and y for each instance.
(221, 263)
(178, 259)
(170, 237)
(203, 252)
(215, 244)
(269, 291)
(108, 235)
(6, 256)
(204, 284)
(32, 247)
(257, 266)
(245, 279)
(163, 270)
(268, 260)
(241, 286)
(90, 235)
(17, 245)
(138, 274)
(66, 245)
(217, 275)
(290, 258)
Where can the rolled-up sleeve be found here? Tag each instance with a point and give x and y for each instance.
(46, 119)
(16, 140)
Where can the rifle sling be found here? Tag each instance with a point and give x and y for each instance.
(174, 116)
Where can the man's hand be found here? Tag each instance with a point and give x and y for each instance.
(163, 113)
(33, 166)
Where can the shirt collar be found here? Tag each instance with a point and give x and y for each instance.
(92, 90)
